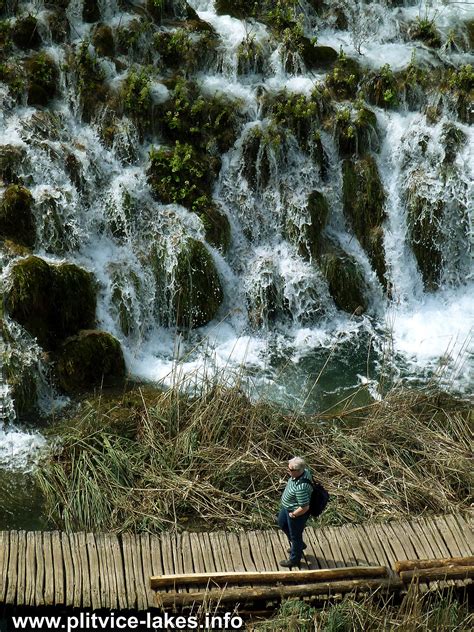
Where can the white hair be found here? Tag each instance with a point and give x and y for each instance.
(297, 463)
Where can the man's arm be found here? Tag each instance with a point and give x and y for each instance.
(300, 511)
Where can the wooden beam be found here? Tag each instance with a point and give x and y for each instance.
(410, 565)
(268, 577)
(443, 572)
(243, 595)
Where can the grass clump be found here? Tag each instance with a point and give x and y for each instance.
(148, 459)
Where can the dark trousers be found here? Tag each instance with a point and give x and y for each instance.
(293, 528)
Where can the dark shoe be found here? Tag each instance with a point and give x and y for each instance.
(304, 547)
(289, 564)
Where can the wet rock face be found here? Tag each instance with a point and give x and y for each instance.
(25, 32)
(11, 158)
(51, 302)
(345, 281)
(90, 359)
(425, 236)
(42, 76)
(91, 11)
(16, 216)
(364, 200)
(198, 287)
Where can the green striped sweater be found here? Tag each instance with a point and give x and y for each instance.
(297, 492)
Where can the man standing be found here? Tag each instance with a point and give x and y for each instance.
(294, 511)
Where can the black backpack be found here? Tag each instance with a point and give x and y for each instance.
(319, 499)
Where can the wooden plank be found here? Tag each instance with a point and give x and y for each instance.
(258, 555)
(119, 570)
(200, 565)
(132, 598)
(464, 546)
(58, 567)
(444, 572)
(30, 569)
(94, 568)
(431, 547)
(246, 553)
(326, 547)
(68, 570)
(435, 542)
(182, 554)
(279, 544)
(235, 552)
(264, 540)
(345, 543)
(281, 592)
(355, 536)
(77, 566)
(392, 553)
(141, 588)
(466, 528)
(21, 580)
(40, 573)
(219, 558)
(85, 570)
(48, 569)
(312, 539)
(401, 535)
(269, 577)
(156, 560)
(209, 562)
(380, 555)
(147, 568)
(104, 573)
(167, 553)
(440, 527)
(410, 565)
(4, 554)
(12, 571)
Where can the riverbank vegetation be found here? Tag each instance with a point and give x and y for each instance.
(148, 459)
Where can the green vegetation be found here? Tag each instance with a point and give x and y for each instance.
(43, 78)
(356, 130)
(364, 201)
(90, 359)
(461, 84)
(25, 32)
(343, 80)
(177, 50)
(198, 290)
(90, 81)
(103, 40)
(373, 613)
(16, 217)
(198, 450)
(11, 157)
(345, 281)
(381, 88)
(51, 302)
(425, 31)
(136, 96)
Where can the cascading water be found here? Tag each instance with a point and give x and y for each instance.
(280, 317)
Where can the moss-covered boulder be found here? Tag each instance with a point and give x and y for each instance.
(90, 359)
(381, 88)
(239, 9)
(318, 57)
(452, 138)
(356, 131)
(318, 208)
(345, 281)
(425, 31)
(255, 154)
(16, 216)
(92, 88)
(51, 301)
(364, 206)
(461, 86)
(103, 40)
(198, 288)
(91, 11)
(343, 80)
(43, 76)
(11, 158)
(58, 23)
(216, 224)
(25, 32)
(425, 235)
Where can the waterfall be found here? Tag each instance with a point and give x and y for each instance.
(276, 172)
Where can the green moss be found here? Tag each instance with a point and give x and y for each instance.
(239, 9)
(364, 200)
(425, 31)
(179, 175)
(210, 123)
(51, 302)
(198, 288)
(381, 88)
(12, 74)
(136, 96)
(88, 360)
(250, 57)
(43, 78)
(343, 80)
(11, 158)
(256, 153)
(16, 217)
(453, 138)
(297, 113)
(25, 32)
(103, 40)
(91, 11)
(345, 281)
(90, 81)
(318, 57)
(58, 25)
(461, 85)
(216, 224)
(177, 50)
(134, 40)
(356, 131)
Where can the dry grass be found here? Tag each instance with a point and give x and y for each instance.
(151, 460)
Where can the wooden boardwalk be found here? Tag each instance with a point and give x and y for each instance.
(86, 570)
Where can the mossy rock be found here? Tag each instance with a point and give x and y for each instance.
(318, 208)
(239, 9)
(89, 360)
(318, 57)
(453, 138)
(216, 224)
(461, 85)
(103, 40)
(11, 158)
(12, 74)
(364, 206)
(469, 28)
(16, 216)
(181, 175)
(43, 79)
(93, 91)
(345, 281)
(425, 237)
(58, 25)
(256, 163)
(198, 287)
(8, 7)
(25, 32)
(91, 11)
(343, 80)
(425, 31)
(51, 302)
(381, 88)
(356, 131)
